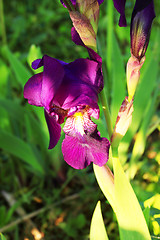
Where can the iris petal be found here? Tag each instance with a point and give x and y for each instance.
(52, 77)
(32, 90)
(80, 152)
(54, 130)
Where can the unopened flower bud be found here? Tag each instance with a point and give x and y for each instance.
(133, 74)
(123, 122)
(141, 22)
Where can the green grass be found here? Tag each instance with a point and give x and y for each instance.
(56, 199)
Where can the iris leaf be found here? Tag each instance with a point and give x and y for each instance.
(131, 221)
(97, 230)
(21, 73)
(118, 82)
(19, 148)
(2, 237)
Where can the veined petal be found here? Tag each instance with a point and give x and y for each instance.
(80, 153)
(120, 6)
(33, 89)
(54, 130)
(142, 17)
(74, 154)
(79, 124)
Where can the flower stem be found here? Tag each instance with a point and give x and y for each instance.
(2, 23)
(69, 5)
(106, 113)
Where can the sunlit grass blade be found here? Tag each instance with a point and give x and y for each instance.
(2, 237)
(97, 230)
(131, 221)
(147, 84)
(17, 112)
(34, 53)
(105, 180)
(119, 80)
(140, 143)
(20, 149)
(21, 73)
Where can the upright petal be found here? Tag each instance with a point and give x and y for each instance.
(142, 17)
(33, 89)
(120, 6)
(54, 130)
(87, 71)
(53, 74)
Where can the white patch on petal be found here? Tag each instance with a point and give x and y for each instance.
(79, 123)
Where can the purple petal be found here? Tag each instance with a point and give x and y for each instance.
(74, 154)
(54, 130)
(80, 153)
(32, 90)
(86, 71)
(142, 17)
(37, 63)
(53, 74)
(100, 1)
(120, 6)
(81, 100)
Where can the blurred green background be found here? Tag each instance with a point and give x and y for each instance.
(38, 190)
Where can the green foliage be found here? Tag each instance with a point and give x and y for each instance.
(36, 177)
(97, 230)
(2, 237)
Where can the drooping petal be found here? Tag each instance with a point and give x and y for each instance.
(79, 153)
(120, 6)
(142, 17)
(54, 130)
(33, 89)
(74, 154)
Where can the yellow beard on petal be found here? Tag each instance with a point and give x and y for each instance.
(79, 123)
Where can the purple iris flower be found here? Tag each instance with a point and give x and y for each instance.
(142, 17)
(70, 91)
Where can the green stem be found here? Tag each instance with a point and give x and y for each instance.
(2, 23)
(109, 38)
(106, 113)
(69, 5)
